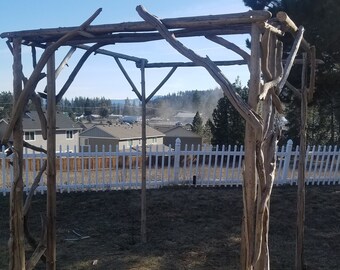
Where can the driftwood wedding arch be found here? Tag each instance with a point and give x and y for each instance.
(268, 75)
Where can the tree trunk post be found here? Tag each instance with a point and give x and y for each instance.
(299, 260)
(143, 193)
(249, 174)
(16, 241)
(177, 160)
(51, 163)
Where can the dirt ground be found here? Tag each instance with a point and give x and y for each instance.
(188, 228)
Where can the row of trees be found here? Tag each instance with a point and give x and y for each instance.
(78, 106)
(100, 106)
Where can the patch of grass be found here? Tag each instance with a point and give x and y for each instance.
(187, 228)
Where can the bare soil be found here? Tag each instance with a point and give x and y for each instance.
(188, 228)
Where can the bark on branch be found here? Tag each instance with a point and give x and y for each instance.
(291, 57)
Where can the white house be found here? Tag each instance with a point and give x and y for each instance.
(67, 131)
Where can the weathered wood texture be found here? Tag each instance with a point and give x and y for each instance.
(292, 28)
(198, 22)
(16, 242)
(51, 170)
(300, 215)
(143, 192)
(249, 175)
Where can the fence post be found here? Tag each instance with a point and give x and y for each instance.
(177, 159)
(286, 161)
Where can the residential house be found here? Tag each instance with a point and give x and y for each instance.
(67, 131)
(186, 136)
(121, 135)
(184, 117)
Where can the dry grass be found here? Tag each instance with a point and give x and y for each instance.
(188, 228)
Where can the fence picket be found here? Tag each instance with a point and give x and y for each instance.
(337, 179)
(163, 169)
(325, 176)
(197, 163)
(215, 165)
(334, 165)
(191, 163)
(26, 173)
(156, 166)
(3, 167)
(103, 168)
(82, 169)
(221, 164)
(209, 165)
(168, 165)
(322, 154)
(227, 167)
(130, 167)
(68, 169)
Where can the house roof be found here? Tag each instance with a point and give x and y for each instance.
(185, 115)
(120, 131)
(163, 128)
(31, 121)
(181, 133)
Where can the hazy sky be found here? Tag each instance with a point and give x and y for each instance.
(100, 75)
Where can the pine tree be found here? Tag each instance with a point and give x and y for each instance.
(88, 109)
(207, 134)
(5, 104)
(227, 125)
(197, 124)
(127, 107)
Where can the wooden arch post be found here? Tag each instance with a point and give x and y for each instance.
(16, 238)
(51, 166)
(249, 173)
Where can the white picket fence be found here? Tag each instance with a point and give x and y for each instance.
(203, 166)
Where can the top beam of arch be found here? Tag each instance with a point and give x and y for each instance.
(239, 21)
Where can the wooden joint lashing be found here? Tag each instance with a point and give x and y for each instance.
(267, 26)
(291, 27)
(268, 85)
